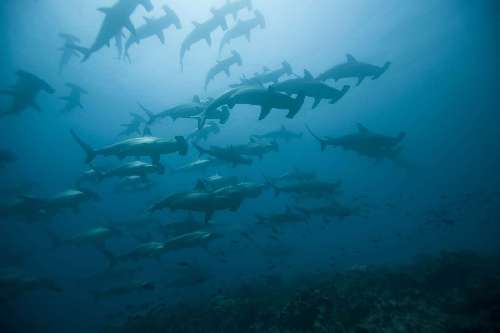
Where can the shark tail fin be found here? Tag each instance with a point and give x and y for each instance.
(382, 70)
(89, 151)
(182, 145)
(322, 142)
(299, 101)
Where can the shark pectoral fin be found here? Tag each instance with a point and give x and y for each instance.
(360, 79)
(209, 40)
(130, 27)
(316, 102)
(264, 111)
(161, 36)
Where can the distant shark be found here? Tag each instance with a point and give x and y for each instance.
(354, 69)
(243, 28)
(267, 76)
(202, 31)
(116, 18)
(24, 93)
(223, 66)
(311, 88)
(73, 100)
(267, 99)
(154, 27)
(68, 51)
(234, 7)
(366, 143)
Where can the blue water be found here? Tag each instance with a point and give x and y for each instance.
(441, 90)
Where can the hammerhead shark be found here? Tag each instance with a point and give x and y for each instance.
(223, 66)
(24, 92)
(243, 28)
(68, 52)
(354, 68)
(202, 31)
(116, 18)
(73, 100)
(311, 88)
(154, 27)
(234, 7)
(267, 76)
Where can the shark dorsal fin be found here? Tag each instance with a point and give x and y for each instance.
(308, 75)
(104, 10)
(350, 58)
(147, 19)
(196, 24)
(252, 139)
(271, 89)
(196, 99)
(265, 69)
(362, 129)
(283, 128)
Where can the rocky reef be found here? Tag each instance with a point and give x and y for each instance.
(454, 292)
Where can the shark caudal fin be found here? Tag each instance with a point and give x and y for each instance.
(299, 101)
(321, 141)
(90, 153)
(182, 145)
(382, 70)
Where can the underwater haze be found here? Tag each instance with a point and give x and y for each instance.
(249, 165)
